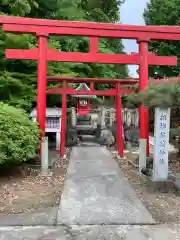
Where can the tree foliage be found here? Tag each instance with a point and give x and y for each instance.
(161, 12)
(18, 79)
(19, 136)
(164, 12)
(167, 95)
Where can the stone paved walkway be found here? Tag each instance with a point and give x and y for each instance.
(161, 232)
(96, 192)
(97, 203)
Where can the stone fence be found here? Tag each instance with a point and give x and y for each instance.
(130, 116)
(107, 116)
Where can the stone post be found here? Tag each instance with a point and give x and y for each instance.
(44, 156)
(73, 116)
(111, 116)
(57, 140)
(103, 112)
(142, 154)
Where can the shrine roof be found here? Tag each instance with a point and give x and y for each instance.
(84, 86)
(50, 112)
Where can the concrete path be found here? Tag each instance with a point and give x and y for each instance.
(160, 232)
(96, 192)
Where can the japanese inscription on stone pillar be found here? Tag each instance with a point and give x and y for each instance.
(161, 144)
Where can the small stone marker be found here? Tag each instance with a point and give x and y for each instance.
(58, 140)
(73, 117)
(103, 113)
(44, 156)
(142, 154)
(161, 144)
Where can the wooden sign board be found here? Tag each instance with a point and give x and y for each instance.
(83, 106)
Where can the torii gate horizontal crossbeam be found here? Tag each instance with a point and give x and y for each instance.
(27, 25)
(53, 55)
(70, 91)
(127, 81)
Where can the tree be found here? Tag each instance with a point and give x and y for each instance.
(17, 7)
(167, 95)
(163, 12)
(163, 96)
(107, 11)
(19, 78)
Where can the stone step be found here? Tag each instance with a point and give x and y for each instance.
(86, 138)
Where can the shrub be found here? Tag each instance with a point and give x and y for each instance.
(19, 136)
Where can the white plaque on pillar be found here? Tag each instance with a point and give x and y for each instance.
(161, 144)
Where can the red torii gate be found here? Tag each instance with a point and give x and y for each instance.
(117, 92)
(44, 28)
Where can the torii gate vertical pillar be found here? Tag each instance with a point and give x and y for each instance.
(41, 85)
(119, 131)
(143, 84)
(63, 121)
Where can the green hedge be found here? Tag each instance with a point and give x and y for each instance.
(19, 136)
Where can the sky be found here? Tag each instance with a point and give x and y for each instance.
(131, 12)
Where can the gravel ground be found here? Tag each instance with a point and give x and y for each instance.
(19, 193)
(164, 207)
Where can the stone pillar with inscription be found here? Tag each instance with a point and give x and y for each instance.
(161, 144)
(73, 115)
